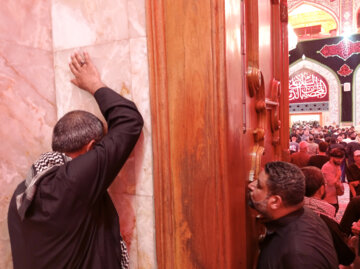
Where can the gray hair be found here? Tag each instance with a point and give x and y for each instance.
(75, 130)
(287, 181)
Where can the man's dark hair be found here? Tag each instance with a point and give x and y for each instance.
(323, 146)
(287, 181)
(76, 129)
(314, 179)
(337, 153)
(333, 139)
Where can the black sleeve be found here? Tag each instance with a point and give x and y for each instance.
(345, 255)
(311, 162)
(348, 150)
(354, 173)
(92, 173)
(351, 214)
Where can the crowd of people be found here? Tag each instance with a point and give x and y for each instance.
(297, 201)
(329, 157)
(334, 150)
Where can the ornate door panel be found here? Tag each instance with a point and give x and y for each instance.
(211, 103)
(265, 99)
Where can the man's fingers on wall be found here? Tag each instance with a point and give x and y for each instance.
(79, 59)
(74, 81)
(75, 62)
(73, 69)
(87, 57)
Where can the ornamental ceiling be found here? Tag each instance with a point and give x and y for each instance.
(313, 19)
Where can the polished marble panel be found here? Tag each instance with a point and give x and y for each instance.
(88, 22)
(27, 115)
(137, 18)
(37, 39)
(27, 23)
(145, 223)
(113, 62)
(140, 90)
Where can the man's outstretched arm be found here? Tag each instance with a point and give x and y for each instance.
(100, 166)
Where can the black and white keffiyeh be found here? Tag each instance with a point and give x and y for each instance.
(39, 169)
(124, 255)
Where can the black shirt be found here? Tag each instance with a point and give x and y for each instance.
(72, 222)
(353, 174)
(351, 214)
(318, 160)
(350, 149)
(344, 253)
(297, 241)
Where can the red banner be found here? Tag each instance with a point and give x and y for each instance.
(306, 86)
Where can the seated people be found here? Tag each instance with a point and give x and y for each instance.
(314, 195)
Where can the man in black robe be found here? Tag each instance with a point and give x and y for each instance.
(295, 236)
(62, 216)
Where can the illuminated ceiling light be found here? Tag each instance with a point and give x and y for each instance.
(347, 32)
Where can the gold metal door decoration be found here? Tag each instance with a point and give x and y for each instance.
(273, 105)
(256, 88)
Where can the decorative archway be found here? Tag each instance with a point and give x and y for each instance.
(333, 10)
(326, 9)
(331, 78)
(356, 95)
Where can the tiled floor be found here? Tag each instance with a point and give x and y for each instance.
(343, 201)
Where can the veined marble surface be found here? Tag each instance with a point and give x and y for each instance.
(88, 22)
(37, 39)
(26, 23)
(27, 115)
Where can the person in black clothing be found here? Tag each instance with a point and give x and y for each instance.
(318, 138)
(320, 159)
(62, 216)
(334, 144)
(315, 193)
(351, 214)
(351, 147)
(353, 175)
(295, 236)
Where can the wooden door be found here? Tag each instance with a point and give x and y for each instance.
(212, 122)
(265, 97)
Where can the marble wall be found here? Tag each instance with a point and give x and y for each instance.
(37, 38)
